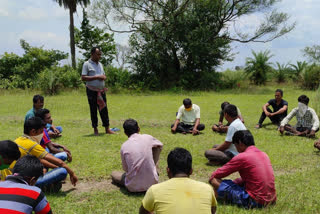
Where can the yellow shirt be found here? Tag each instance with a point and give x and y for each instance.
(180, 195)
(26, 146)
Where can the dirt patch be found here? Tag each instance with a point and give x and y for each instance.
(89, 186)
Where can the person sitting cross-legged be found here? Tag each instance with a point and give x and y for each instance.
(9, 152)
(220, 128)
(255, 187)
(179, 194)
(18, 193)
(53, 148)
(221, 154)
(307, 120)
(139, 155)
(29, 143)
(190, 119)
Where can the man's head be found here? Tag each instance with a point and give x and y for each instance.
(9, 151)
(242, 139)
(224, 104)
(187, 104)
(38, 101)
(179, 162)
(303, 99)
(34, 127)
(278, 94)
(130, 127)
(45, 115)
(95, 54)
(29, 168)
(230, 112)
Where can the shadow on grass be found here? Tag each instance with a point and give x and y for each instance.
(126, 192)
(270, 126)
(60, 193)
(93, 135)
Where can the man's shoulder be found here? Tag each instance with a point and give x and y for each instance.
(311, 110)
(25, 142)
(284, 102)
(196, 106)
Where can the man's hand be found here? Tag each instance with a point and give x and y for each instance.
(73, 179)
(268, 114)
(220, 124)
(55, 130)
(311, 134)
(101, 77)
(195, 132)
(281, 129)
(173, 129)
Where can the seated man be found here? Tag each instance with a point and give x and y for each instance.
(220, 128)
(255, 187)
(279, 106)
(179, 194)
(38, 102)
(190, 115)
(46, 143)
(221, 154)
(307, 119)
(139, 155)
(18, 195)
(29, 143)
(9, 152)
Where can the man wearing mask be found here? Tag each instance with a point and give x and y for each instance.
(307, 120)
(189, 114)
(29, 143)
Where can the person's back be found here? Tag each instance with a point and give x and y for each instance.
(180, 195)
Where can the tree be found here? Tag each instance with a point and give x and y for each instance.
(89, 36)
(298, 69)
(71, 5)
(312, 53)
(258, 67)
(282, 72)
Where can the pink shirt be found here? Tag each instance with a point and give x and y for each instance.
(138, 162)
(256, 174)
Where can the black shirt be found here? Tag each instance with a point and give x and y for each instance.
(276, 107)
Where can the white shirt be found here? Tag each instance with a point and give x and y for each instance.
(236, 125)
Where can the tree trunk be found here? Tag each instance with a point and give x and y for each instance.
(72, 43)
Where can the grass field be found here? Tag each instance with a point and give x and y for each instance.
(295, 161)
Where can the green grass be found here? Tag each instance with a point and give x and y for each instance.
(295, 161)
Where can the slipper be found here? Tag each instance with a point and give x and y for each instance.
(115, 129)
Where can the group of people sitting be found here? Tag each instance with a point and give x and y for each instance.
(33, 159)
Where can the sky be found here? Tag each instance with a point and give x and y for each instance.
(44, 23)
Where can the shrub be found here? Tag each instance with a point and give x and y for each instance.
(311, 77)
(232, 79)
(117, 77)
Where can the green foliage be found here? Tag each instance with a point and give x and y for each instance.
(311, 77)
(118, 78)
(312, 53)
(232, 79)
(258, 67)
(53, 79)
(89, 36)
(297, 70)
(282, 72)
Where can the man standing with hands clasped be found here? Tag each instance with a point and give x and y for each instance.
(93, 74)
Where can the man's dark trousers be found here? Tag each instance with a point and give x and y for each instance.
(92, 100)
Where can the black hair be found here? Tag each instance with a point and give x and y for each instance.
(187, 102)
(224, 104)
(179, 161)
(244, 136)
(231, 110)
(130, 127)
(281, 92)
(42, 113)
(28, 166)
(93, 50)
(303, 99)
(33, 123)
(37, 97)
(9, 150)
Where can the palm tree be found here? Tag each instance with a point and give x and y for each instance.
(281, 72)
(298, 69)
(72, 6)
(258, 67)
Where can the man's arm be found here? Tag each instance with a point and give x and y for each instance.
(286, 120)
(57, 146)
(47, 164)
(91, 78)
(195, 130)
(220, 120)
(280, 111)
(142, 210)
(264, 108)
(53, 149)
(315, 124)
(174, 128)
(213, 210)
(222, 147)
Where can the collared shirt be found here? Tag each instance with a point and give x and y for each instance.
(180, 195)
(309, 119)
(16, 196)
(91, 68)
(30, 113)
(138, 162)
(189, 117)
(236, 125)
(256, 174)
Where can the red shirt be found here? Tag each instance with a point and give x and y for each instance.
(256, 174)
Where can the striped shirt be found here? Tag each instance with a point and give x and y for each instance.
(17, 197)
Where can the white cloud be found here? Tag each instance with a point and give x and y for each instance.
(3, 12)
(33, 13)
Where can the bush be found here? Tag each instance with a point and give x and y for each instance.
(232, 79)
(311, 77)
(117, 77)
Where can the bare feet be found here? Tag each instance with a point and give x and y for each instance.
(258, 126)
(317, 144)
(96, 132)
(109, 131)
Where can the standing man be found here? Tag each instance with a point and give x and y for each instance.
(179, 194)
(279, 112)
(255, 187)
(139, 155)
(93, 74)
(221, 154)
(190, 119)
(38, 102)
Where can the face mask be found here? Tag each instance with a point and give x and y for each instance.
(37, 138)
(188, 109)
(302, 108)
(3, 165)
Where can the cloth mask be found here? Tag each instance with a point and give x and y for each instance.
(188, 109)
(302, 108)
(3, 165)
(37, 138)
